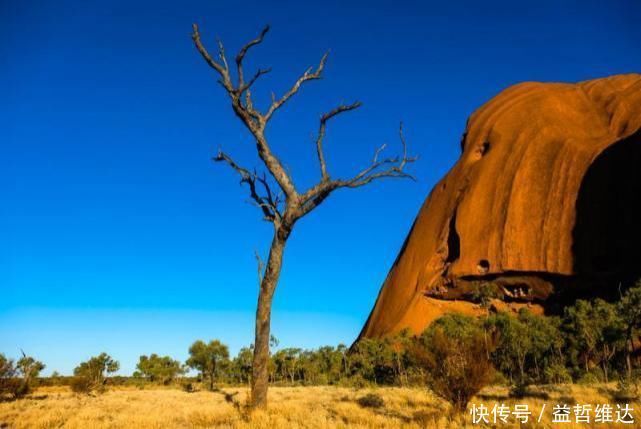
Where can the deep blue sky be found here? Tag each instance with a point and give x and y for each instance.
(119, 234)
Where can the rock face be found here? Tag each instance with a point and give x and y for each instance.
(544, 204)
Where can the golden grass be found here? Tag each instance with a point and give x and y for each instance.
(289, 407)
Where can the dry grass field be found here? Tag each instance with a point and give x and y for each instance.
(290, 407)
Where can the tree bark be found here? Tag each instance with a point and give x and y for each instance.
(260, 366)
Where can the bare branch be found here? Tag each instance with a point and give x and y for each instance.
(272, 201)
(321, 133)
(251, 118)
(373, 172)
(267, 204)
(378, 151)
(243, 52)
(317, 194)
(308, 75)
(222, 69)
(221, 54)
(248, 85)
(295, 205)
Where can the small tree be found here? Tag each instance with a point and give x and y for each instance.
(374, 360)
(484, 292)
(325, 365)
(161, 369)
(8, 374)
(210, 359)
(284, 207)
(242, 365)
(525, 346)
(454, 352)
(595, 332)
(92, 374)
(288, 363)
(55, 378)
(630, 310)
(29, 369)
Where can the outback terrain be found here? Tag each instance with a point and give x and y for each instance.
(289, 407)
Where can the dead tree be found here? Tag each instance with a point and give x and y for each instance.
(284, 205)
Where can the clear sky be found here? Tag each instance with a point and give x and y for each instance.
(117, 232)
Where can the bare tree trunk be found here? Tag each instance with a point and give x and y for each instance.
(260, 365)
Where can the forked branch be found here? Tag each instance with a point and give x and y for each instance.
(321, 133)
(241, 56)
(222, 69)
(395, 169)
(295, 204)
(307, 76)
(268, 204)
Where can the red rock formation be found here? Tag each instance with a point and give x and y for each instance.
(543, 202)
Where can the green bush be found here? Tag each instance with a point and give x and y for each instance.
(557, 374)
(484, 292)
(454, 352)
(589, 378)
(91, 375)
(81, 385)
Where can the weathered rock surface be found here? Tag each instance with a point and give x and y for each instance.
(544, 203)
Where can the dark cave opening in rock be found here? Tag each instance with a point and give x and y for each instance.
(453, 241)
(607, 232)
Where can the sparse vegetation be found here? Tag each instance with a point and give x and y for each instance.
(289, 407)
(210, 359)
(16, 379)
(457, 357)
(527, 346)
(7, 376)
(484, 292)
(92, 374)
(455, 353)
(158, 369)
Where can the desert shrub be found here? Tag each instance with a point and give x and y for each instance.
(371, 400)
(158, 369)
(7, 375)
(557, 374)
(454, 352)
(629, 308)
(17, 379)
(525, 346)
(91, 375)
(595, 334)
(590, 377)
(374, 360)
(484, 292)
(188, 387)
(29, 369)
(81, 385)
(415, 376)
(356, 381)
(240, 369)
(626, 391)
